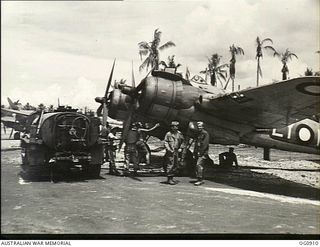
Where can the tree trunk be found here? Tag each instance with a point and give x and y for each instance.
(213, 79)
(258, 66)
(284, 76)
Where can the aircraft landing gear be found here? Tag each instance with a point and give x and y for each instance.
(266, 153)
(16, 136)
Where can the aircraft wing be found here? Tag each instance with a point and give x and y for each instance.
(9, 122)
(268, 106)
(17, 112)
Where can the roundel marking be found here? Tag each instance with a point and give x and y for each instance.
(304, 134)
(311, 88)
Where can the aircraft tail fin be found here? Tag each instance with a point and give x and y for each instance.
(11, 104)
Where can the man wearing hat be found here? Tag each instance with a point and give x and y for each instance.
(131, 149)
(174, 144)
(227, 159)
(201, 150)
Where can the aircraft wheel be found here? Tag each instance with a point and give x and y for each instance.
(189, 165)
(16, 136)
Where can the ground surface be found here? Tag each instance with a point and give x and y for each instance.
(278, 196)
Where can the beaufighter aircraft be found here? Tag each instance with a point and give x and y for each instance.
(277, 115)
(16, 118)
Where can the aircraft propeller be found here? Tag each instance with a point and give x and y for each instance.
(128, 120)
(103, 110)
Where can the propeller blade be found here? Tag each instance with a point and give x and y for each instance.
(105, 114)
(133, 81)
(110, 80)
(99, 110)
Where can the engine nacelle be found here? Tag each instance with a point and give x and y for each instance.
(166, 97)
(305, 132)
(119, 104)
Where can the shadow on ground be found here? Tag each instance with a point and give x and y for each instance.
(244, 178)
(71, 176)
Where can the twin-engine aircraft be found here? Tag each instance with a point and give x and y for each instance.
(277, 115)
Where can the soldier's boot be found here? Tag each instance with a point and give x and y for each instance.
(199, 182)
(170, 181)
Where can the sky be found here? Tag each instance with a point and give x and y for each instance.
(65, 49)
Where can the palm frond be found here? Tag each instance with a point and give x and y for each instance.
(156, 38)
(265, 40)
(167, 45)
(163, 63)
(222, 66)
(222, 75)
(143, 53)
(292, 54)
(258, 41)
(268, 47)
(144, 45)
(240, 50)
(145, 63)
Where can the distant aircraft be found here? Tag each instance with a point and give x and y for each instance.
(250, 116)
(14, 105)
(16, 118)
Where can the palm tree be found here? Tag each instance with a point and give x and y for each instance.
(234, 50)
(41, 106)
(171, 63)
(308, 72)
(260, 54)
(285, 57)
(151, 50)
(215, 70)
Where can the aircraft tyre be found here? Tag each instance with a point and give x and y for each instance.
(16, 136)
(188, 166)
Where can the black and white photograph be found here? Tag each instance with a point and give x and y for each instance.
(176, 119)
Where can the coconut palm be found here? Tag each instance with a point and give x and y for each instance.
(151, 50)
(260, 47)
(171, 63)
(308, 72)
(234, 50)
(285, 57)
(215, 69)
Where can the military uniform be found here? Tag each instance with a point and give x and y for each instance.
(174, 142)
(130, 150)
(111, 151)
(227, 159)
(201, 152)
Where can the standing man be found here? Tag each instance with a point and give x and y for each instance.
(201, 150)
(134, 137)
(174, 144)
(227, 159)
(111, 147)
(142, 147)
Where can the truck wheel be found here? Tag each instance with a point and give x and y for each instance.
(94, 170)
(91, 170)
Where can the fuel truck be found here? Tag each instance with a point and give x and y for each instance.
(59, 141)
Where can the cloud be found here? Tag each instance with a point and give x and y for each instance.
(66, 49)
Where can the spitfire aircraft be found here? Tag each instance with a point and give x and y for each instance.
(276, 115)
